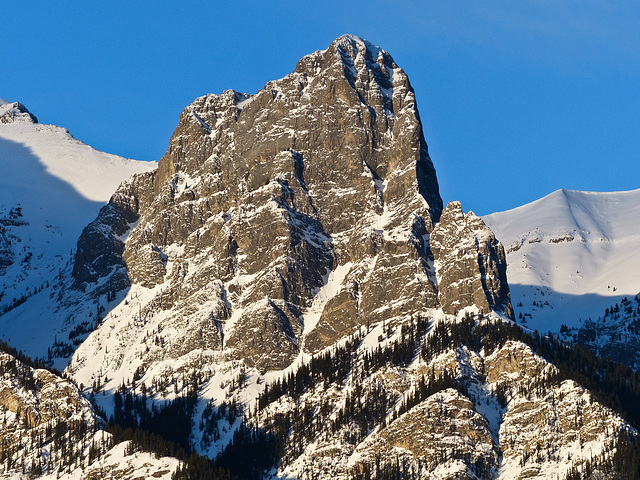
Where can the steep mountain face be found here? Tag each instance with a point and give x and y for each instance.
(471, 264)
(53, 186)
(290, 261)
(275, 223)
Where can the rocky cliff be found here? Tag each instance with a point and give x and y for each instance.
(470, 263)
(283, 221)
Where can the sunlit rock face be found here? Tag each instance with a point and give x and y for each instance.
(470, 263)
(260, 199)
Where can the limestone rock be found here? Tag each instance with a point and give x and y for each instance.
(100, 248)
(470, 262)
(268, 195)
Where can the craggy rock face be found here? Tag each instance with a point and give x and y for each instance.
(470, 263)
(450, 417)
(259, 198)
(288, 219)
(556, 419)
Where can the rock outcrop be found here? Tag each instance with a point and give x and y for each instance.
(16, 113)
(49, 428)
(42, 415)
(452, 419)
(470, 263)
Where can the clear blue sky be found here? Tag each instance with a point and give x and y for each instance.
(517, 98)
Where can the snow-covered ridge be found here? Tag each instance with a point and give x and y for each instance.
(93, 174)
(569, 253)
(604, 216)
(52, 186)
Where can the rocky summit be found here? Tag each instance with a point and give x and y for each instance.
(285, 220)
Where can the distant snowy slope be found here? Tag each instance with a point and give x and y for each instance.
(93, 174)
(570, 254)
(51, 187)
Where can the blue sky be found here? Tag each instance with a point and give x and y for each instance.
(517, 98)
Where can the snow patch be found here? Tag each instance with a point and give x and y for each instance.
(331, 287)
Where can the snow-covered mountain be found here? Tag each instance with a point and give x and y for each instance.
(52, 186)
(267, 234)
(287, 294)
(570, 255)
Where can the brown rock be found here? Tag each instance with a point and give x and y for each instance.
(470, 262)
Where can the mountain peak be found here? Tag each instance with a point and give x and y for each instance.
(319, 182)
(355, 45)
(14, 112)
(359, 61)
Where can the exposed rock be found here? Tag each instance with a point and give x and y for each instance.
(265, 195)
(505, 418)
(470, 263)
(49, 398)
(451, 418)
(281, 223)
(544, 429)
(6, 253)
(32, 402)
(514, 363)
(120, 464)
(100, 249)
(149, 267)
(16, 112)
